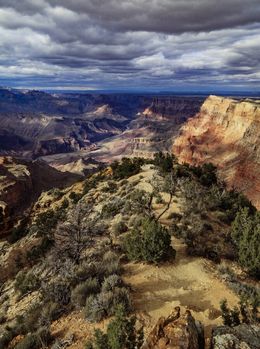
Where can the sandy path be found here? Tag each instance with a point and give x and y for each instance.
(188, 282)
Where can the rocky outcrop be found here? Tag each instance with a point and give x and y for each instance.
(225, 132)
(239, 337)
(176, 331)
(21, 182)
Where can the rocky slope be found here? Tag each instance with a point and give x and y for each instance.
(225, 132)
(21, 182)
(239, 337)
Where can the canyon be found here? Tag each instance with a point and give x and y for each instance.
(225, 132)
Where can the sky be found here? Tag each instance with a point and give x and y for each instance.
(179, 45)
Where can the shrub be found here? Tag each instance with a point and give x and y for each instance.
(121, 333)
(51, 312)
(75, 197)
(111, 282)
(111, 187)
(94, 309)
(57, 291)
(152, 243)
(84, 289)
(39, 250)
(85, 271)
(246, 313)
(246, 235)
(110, 264)
(119, 228)
(164, 161)
(112, 208)
(43, 336)
(46, 222)
(5, 338)
(19, 231)
(126, 168)
(28, 342)
(26, 282)
(105, 304)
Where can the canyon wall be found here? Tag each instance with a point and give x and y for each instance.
(21, 182)
(225, 132)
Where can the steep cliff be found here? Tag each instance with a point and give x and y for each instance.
(225, 132)
(21, 182)
(177, 109)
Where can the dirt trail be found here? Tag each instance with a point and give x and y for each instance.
(188, 282)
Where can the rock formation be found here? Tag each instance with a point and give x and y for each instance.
(225, 132)
(176, 331)
(239, 337)
(21, 182)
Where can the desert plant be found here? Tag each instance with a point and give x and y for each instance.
(119, 228)
(246, 235)
(26, 282)
(121, 333)
(151, 243)
(83, 290)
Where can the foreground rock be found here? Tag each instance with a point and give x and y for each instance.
(176, 331)
(240, 337)
(225, 132)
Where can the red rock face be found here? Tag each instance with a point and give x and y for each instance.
(21, 182)
(225, 132)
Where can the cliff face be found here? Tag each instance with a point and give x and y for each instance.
(173, 108)
(21, 182)
(225, 132)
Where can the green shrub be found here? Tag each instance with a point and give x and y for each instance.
(5, 338)
(83, 290)
(121, 333)
(84, 271)
(26, 282)
(46, 222)
(126, 168)
(112, 208)
(75, 197)
(164, 161)
(152, 243)
(246, 235)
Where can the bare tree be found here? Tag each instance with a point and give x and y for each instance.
(169, 186)
(74, 235)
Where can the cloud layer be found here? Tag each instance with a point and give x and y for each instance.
(155, 44)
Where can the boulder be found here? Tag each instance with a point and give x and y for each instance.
(176, 331)
(239, 337)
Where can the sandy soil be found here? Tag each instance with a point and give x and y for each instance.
(188, 282)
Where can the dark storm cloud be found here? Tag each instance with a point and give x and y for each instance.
(112, 43)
